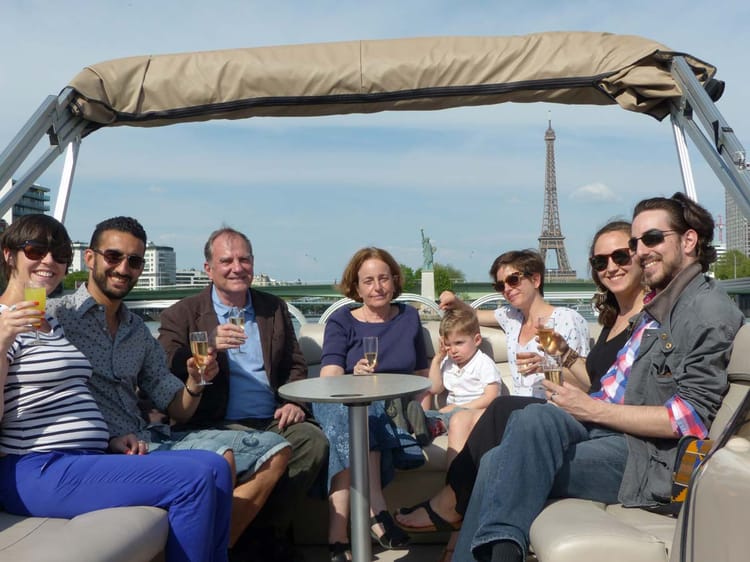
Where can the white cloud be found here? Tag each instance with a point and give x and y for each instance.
(598, 192)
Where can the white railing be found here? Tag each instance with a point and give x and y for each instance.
(404, 297)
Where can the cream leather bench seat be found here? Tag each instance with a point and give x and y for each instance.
(122, 534)
(569, 530)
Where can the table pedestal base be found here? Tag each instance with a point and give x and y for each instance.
(359, 451)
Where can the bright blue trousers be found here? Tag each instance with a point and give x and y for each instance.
(195, 487)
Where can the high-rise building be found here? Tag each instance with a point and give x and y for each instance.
(160, 268)
(34, 201)
(191, 278)
(737, 227)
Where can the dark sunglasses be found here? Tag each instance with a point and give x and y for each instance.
(512, 280)
(599, 262)
(113, 257)
(36, 251)
(650, 238)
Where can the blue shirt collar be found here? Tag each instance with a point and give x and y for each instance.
(222, 310)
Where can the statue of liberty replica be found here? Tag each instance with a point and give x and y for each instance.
(428, 273)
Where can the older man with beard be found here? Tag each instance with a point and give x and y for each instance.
(620, 443)
(125, 357)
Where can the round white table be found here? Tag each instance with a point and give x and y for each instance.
(356, 392)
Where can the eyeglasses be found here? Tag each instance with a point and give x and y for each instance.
(113, 257)
(650, 238)
(512, 280)
(621, 256)
(35, 251)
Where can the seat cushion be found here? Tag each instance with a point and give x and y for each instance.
(572, 530)
(122, 534)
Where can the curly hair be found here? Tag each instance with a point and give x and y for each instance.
(128, 225)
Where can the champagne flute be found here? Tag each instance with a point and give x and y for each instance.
(370, 347)
(552, 368)
(551, 362)
(35, 291)
(545, 329)
(199, 349)
(237, 318)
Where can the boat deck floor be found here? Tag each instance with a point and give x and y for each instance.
(414, 553)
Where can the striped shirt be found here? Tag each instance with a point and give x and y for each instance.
(48, 405)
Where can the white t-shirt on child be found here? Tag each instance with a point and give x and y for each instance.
(467, 383)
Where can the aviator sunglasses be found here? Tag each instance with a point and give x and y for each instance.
(650, 238)
(512, 280)
(35, 251)
(599, 262)
(113, 257)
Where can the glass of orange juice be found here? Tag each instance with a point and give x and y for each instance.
(34, 291)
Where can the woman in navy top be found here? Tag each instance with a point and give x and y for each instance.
(373, 278)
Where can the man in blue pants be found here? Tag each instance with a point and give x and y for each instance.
(620, 443)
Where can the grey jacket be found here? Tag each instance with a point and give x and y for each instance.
(686, 355)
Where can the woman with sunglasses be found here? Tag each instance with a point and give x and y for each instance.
(53, 438)
(618, 279)
(519, 276)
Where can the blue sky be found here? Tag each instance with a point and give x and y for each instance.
(309, 192)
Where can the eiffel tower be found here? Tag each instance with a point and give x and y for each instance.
(551, 238)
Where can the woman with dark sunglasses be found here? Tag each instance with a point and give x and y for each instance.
(53, 438)
(519, 276)
(619, 299)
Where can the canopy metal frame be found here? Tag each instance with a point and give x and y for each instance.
(57, 119)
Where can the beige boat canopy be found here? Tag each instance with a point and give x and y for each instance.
(370, 76)
(426, 73)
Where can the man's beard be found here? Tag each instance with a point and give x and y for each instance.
(100, 278)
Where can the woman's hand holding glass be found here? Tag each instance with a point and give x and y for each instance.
(17, 319)
(528, 363)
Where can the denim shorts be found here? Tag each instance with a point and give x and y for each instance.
(445, 417)
(251, 448)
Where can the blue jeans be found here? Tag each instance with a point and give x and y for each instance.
(545, 453)
(195, 487)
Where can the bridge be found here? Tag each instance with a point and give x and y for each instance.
(311, 301)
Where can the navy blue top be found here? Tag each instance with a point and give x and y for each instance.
(401, 346)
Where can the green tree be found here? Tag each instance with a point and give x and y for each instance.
(445, 277)
(732, 264)
(69, 283)
(410, 279)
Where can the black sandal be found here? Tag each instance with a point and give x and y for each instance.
(437, 523)
(340, 552)
(393, 536)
